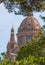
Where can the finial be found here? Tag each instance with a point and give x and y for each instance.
(30, 14)
(12, 28)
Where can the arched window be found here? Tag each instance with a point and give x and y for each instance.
(20, 40)
(28, 38)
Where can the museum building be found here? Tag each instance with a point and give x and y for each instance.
(28, 29)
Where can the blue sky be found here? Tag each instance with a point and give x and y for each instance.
(6, 22)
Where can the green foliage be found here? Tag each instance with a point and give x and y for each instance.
(43, 17)
(32, 60)
(33, 4)
(33, 53)
(0, 59)
(7, 62)
(24, 6)
(3, 55)
(34, 47)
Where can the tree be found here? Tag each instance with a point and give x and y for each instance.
(43, 18)
(5, 61)
(24, 6)
(4, 55)
(32, 60)
(0, 59)
(33, 53)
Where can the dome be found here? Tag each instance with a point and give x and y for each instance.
(29, 28)
(28, 24)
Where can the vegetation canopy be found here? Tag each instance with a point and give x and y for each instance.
(31, 54)
(24, 6)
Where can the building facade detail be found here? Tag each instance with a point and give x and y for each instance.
(12, 46)
(28, 29)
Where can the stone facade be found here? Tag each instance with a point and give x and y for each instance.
(28, 29)
(12, 46)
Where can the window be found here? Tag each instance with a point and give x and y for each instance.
(28, 38)
(12, 46)
(20, 40)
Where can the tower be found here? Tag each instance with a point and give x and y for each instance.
(11, 46)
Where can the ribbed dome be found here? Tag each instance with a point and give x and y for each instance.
(28, 29)
(28, 24)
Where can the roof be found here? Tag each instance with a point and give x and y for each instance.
(29, 23)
